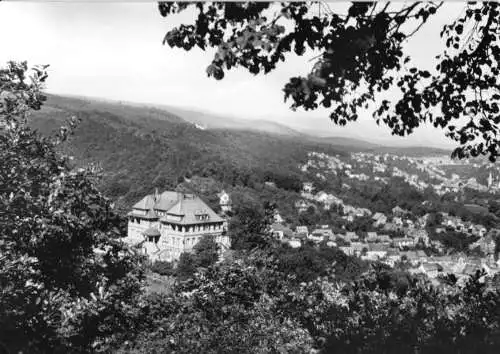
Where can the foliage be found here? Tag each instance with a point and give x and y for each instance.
(309, 262)
(20, 91)
(120, 137)
(251, 306)
(67, 283)
(206, 251)
(454, 241)
(162, 268)
(186, 266)
(362, 56)
(220, 310)
(250, 222)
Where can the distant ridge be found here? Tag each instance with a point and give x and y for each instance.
(215, 121)
(136, 111)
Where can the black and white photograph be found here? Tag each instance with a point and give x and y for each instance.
(249, 177)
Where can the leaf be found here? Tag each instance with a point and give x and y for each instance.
(425, 74)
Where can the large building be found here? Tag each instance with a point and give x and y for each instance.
(168, 224)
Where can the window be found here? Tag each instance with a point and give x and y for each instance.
(154, 239)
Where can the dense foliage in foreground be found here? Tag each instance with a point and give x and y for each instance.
(249, 306)
(68, 285)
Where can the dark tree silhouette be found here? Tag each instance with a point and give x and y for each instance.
(362, 55)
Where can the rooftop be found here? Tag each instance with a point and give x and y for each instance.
(179, 208)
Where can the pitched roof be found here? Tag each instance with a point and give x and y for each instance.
(150, 215)
(421, 253)
(186, 206)
(431, 267)
(279, 227)
(402, 239)
(301, 229)
(470, 269)
(384, 238)
(374, 247)
(163, 201)
(189, 207)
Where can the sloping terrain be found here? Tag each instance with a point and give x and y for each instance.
(214, 121)
(140, 148)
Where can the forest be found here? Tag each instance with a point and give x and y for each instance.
(170, 150)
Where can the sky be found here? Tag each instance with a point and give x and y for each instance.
(114, 51)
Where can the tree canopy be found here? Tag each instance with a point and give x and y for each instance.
(67, 283)
(361, 58)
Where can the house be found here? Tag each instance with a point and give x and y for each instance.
(419, 235)
(384, 239)
(413, 257)
(349, 218)
(392, 256)
(277, 217)
(397, 221)
(294, 243)
(430, 269)
(321, 233)
(379, 219)
(331, 244)
(401, 242)
(358, 247)
(360, 212)
(437, 245)
(409, 223)
(279, 231)
(224, 201)
(376, 251)
(398, 211)
(374, 237)
(332, 200)
(487, 244)
(321, 197)
(390, 227)
(302, 230)
(301, 206)
(168, 224)
(371, 237)
(348, 250)
(307, 187)
(351, 236)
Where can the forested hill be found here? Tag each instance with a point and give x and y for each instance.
(140, 148)
(215, 121)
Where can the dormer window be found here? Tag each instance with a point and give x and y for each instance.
(202, 217)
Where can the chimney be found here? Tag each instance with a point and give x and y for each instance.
(156, 196)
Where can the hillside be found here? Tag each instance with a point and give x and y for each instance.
(410, 151)
(140, 148)
(347, 143)
(214, 121)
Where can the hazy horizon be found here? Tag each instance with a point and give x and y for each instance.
(114, 51)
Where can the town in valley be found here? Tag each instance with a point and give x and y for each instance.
(436, 243)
